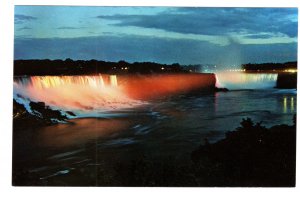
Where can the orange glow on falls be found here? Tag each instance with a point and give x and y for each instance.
(107, 92)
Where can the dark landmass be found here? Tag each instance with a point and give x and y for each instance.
(41, 115)
(25, 125)
(270, 66)
(88, 67)
(287, 81)
(252, 155)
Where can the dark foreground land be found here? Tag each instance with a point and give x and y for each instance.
(249, 156)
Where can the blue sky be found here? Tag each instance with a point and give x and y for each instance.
(223, 36)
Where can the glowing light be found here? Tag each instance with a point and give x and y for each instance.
(102, 84)
(113, 80)
(85, 93)
(56, 81)
(243, 80)
(93, 94)
(290, 70)
(292, 104)
(218, 84)
(284, 105)
(162, 68)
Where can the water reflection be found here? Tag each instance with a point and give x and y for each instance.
(81, 131)
(284, 105)
(292, 104)
(288, 104)
(216, 95)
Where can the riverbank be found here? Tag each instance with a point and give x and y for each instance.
(251, 155)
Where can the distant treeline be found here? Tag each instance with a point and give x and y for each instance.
(270, 66)
(79, 67)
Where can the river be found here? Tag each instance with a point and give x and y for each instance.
(163, 128)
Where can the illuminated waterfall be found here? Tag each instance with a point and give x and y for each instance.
(240, 80)
(81, 93)
(57, 81)
(107, 92)
(113, 80)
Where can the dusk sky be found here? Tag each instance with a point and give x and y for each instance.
(224, 36)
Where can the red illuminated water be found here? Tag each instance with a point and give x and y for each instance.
(88, 95)
(78, 93)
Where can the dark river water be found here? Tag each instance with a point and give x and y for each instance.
(163, 128)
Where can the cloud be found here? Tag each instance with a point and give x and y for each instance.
(259, 36)
(142, 48)
(20, 18)
(24, 28)
(216, 21)
(69, 28)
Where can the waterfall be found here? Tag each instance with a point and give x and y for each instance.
(240, 80)
(82, 94)
(98, 93)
